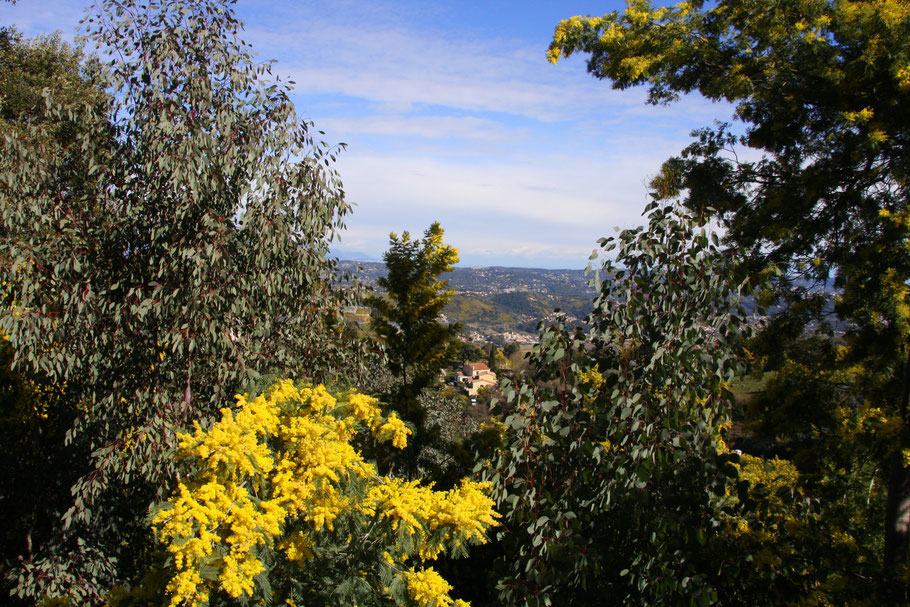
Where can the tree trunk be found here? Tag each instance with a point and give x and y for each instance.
(897, 506)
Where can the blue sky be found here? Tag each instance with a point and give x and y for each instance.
(452, 113)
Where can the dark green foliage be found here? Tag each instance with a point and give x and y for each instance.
(467, 352)
(37, 409)
(449, 427)
(612, 481)
(26, 68)
(406, 319)
(164, 243)
(34, 486)
(510, 348)
(812, 411)
(821, 88)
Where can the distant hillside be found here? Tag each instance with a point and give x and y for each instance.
(518, 311)
(495, 300)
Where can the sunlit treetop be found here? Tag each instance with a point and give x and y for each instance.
(821, 86)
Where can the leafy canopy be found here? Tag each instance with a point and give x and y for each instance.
(165, 226)
(821, 87)
(613, 477)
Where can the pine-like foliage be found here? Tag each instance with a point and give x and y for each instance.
(406, 319)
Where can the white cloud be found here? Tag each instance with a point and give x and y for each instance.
(556, 188)
(430, 127)
(551, 209)
(518, 159)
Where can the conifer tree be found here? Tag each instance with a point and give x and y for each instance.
(406, 317)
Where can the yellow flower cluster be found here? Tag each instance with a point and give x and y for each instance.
(900, 219)
(683, 8)
(298, 547)
(903, 77)
(428, 588)
(773, 473)
(395, 428)
(464, 513)
(592, 377)
(758, 535)
(891, 13)
(565, 30)
(637, 15)
(862, 116)
(867, 420)
(286, 457)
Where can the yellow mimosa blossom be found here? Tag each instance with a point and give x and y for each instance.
(284, 458)
(591, 377)
(363, 407)
(395, 427)
(298, 547)
(903, 77)
(427, 587)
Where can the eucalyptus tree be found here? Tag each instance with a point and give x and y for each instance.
(34, 415)
(614, 479)
(159, 256)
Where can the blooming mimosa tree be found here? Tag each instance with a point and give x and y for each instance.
(278, 503)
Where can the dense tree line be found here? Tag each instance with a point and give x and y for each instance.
(165, 217)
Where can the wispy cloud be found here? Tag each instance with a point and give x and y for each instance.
(518, 159)
(459, 121)
(45, 17)
(377, 56)
(429, 127)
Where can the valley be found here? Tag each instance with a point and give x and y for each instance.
(501, 305)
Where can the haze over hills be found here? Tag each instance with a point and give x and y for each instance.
(503, 304)
(356, 256)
